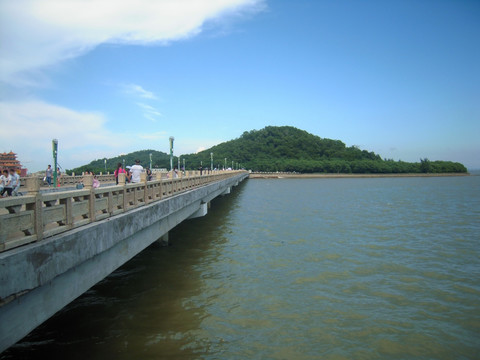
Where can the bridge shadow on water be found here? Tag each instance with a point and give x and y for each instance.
(143, 310)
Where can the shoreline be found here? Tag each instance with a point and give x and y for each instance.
(334, 176)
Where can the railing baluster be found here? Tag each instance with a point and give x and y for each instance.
(33, 188)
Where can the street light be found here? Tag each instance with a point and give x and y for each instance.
(55, 152)
(105, 162)
(124, 163)
(171, 152)
(183, 164)
(225, 166)
(150, 160)
(211, 161)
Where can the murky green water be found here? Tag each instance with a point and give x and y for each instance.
(294, 269)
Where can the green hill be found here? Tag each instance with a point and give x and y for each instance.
(159, 160)
(284, 148)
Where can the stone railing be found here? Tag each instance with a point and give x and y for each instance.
(37, 215)
(66, 180)
(72, 180)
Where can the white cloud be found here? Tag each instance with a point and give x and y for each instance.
(149, 112)
(82, 136)
(137, 90)
(35, 123)
(37, 34)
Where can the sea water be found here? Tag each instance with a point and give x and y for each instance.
(380, 268)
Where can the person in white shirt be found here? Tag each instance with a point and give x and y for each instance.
(15, 181)
(7, 184)
(3, 179)
(136, 170)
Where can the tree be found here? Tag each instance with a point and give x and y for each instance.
(425, 165)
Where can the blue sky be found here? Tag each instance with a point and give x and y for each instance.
(401, 78)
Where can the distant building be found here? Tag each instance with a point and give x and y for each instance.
(9, 161)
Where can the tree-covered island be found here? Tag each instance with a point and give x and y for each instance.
(285, 149)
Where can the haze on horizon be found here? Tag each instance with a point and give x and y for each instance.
(400, 78)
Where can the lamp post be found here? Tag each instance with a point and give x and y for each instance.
(232, 164)
(211, 161)
(183, 164)
(55, 153)
(171, 152)
(150, 160)
(123, 163)
(225, 166)
(105, 162)
(178, 168)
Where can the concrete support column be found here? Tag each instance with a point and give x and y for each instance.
(163, 241)
(202, 211)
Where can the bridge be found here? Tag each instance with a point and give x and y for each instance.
(54, 246)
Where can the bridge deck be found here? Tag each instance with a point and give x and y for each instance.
(81, 236)
(40, 215)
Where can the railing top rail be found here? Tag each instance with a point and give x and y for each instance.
(16, 200)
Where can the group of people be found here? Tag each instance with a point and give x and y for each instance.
(49, 175)
(10, 180)
(132, 173)
(9, 183)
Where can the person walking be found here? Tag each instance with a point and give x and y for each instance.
(59, 177)
(15, 182)
(8, 184)
(136, 170)
(3, 180)
(95, 183)
(119, 170)
(48, 175)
